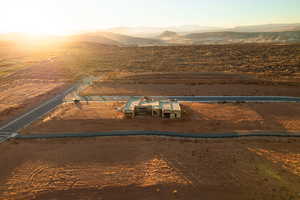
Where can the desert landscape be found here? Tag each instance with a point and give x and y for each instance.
(37, 75)
(119, 112)
(153, 167)
(29, 76)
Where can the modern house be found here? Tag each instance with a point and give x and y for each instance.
(143, 106)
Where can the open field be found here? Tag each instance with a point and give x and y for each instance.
(32, 73)
(79, 58)
(150, 168)
(197, 118)
(267, 60)
(190, 84)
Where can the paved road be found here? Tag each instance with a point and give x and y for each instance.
(205, 99)
(36, 113)
(4, 137)
(26, 119)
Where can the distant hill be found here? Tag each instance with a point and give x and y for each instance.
(168, 34)
(156, 31)
(94, 38)
(267, 28)
(240, 37)
(115, 39)
(167, 37)
(129, 40)
(173, 38)
(187, 29)
(105, 38)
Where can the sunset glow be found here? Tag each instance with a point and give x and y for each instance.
(62, 17)
(41, 17)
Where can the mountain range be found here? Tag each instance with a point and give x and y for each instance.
(184, 35)
(154, 31)
(267, 28)
(228, 37)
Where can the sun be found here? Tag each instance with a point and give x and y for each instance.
(38, 30)
(54, 17)
(35, 18)
(42, 25)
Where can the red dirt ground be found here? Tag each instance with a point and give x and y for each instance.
(191, 84)
(197, 118)
(150, 168)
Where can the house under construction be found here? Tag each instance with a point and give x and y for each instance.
(144, 106)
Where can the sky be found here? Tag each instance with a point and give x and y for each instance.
(69, 16)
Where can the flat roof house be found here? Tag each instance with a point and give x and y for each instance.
(143, 106)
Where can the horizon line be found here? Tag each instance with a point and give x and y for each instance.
(74, 32)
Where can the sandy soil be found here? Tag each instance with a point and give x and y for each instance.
(28, 87)
(197, 118)
(190, 84)
(150, 168)
(114, 89)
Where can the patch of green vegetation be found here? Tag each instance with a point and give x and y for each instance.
(268, 171)
(288, 189)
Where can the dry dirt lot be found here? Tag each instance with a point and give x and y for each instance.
(150, 168)
(197, 118)
(191, 84)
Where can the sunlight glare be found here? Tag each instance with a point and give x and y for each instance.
(38, 17)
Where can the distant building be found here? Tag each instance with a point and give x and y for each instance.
(144, 106)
